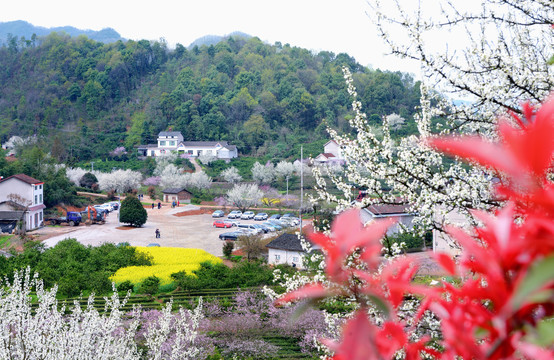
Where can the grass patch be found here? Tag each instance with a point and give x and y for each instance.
(5, 240)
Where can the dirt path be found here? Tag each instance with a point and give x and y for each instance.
(197, 167)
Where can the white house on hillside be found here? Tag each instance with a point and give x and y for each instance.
(21, 198)
(173, 141)
(331, 153)
(286, 249)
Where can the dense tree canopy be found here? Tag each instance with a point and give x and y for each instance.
(104, 96)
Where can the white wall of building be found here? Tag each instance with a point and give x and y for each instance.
(279, 256)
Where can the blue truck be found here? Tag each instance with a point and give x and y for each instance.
(72, 218)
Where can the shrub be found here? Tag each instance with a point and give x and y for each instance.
(125, 286)
(132, 212)
(88, 180)
(228, 247)
(151, 191)
(150, 285)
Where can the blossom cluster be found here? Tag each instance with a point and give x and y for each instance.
(506, 286)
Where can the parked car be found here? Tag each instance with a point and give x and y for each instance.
(235, 214)
(218, 213)
(247, 215)
(234, 235)
(232, 222)
(274, 223)
(260, 216)
(251, 227)
(264, 229)
(293, 220)
(153, 245)
(115, 205)
(288, 215)
(280, 223)
(106, 207)
(288, 221)
(222, 224)
(275, 217)
(273, 227)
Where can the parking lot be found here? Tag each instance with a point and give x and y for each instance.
(191, 231)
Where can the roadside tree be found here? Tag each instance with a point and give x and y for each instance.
(244, 196)
(252, 245)
(132, 212)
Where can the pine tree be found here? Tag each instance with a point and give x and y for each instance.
(132, 212)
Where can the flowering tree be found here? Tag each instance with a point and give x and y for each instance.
(75, 175)
(505, 269)
(120, 181)
(244, 196)
(503, 60)
(199, 180)
(48, 332)
(118, 152)
(152, 181)
(284, 169)
(231, 175)
(263, 174)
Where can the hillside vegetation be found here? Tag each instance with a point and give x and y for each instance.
(83, 98)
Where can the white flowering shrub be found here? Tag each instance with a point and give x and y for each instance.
(284, 169)
(263, 174)
(120, 181)
(231, 175)
(75, 174)
(245, 196)
(45, 332)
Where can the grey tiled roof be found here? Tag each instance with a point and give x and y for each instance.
(170, 133)
(205, 143)
(289, 242)
(174, 190)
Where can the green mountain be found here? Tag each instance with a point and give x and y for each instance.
(87, 97)
(17, 29)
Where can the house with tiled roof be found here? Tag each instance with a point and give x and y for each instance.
(180, 195)
(332, 153)
(286, 249)
(399, 212)
(21, 200)
(172, 141)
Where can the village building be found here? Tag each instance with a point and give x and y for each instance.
(180, 195)
(286, 249)
(332, 153)
(21, 200)
(173, 141)
(399, 212)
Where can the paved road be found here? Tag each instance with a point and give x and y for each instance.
(193, 231)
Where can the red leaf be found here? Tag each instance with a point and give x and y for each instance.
(446, 262)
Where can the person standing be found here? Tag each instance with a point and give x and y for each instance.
(152, 206)
(157, 233)
(159, 204)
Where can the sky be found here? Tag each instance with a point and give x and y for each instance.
(337, 26)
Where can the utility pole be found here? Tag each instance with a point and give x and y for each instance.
(301, 185)
(92, 166)
(287, 185)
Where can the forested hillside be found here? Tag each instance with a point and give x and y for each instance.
(86, 98)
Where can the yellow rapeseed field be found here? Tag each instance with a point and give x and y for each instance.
(165, 261)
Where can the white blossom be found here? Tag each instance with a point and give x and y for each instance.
(231, 175)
